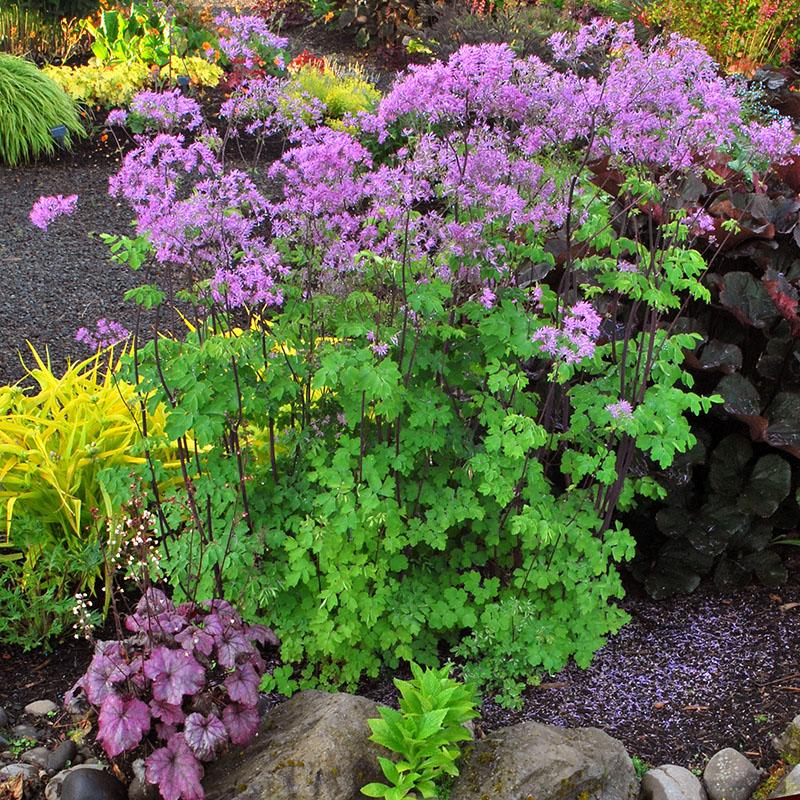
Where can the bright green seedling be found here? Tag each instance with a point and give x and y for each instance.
(424, 733)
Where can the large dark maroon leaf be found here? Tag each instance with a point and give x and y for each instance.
(241, 722)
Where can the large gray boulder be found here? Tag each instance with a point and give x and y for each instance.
(544, 762)
(788, 743)
(312, 747)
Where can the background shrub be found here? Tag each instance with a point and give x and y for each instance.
(31, 104)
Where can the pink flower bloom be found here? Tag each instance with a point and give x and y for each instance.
(116, 116)
(47, 209)
(106, 333)
(620, 409)
(487, 298)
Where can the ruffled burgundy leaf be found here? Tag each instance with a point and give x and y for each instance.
(204, 735)
(242, 685)
(174, 673)
(194, 638)
(121, 724)
(168, 713)
(231, 644)
(263, 635)
(175, 770)
(241, 722)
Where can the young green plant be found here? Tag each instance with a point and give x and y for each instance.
(424, 733)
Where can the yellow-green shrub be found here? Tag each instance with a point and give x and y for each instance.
(55, 442)
(113, 86)
(344, 91)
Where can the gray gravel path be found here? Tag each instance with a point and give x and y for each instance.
(56, 281)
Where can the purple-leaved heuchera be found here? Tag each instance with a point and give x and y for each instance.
(183, 685)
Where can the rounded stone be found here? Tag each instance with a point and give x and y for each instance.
(64, 753)
(730, 776)
(41, 708)
(38, 756)
(671, 782)
(28, 772)
(53, 789)
(85, 783)
(24, 731)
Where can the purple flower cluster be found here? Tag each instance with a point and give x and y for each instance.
(264, 107)
(105, 334)
(117, 117)
(47, 209)
(621, 409)
(166, 110)
(201, 219)
(575, 340)
(248, 39)
(190, 675)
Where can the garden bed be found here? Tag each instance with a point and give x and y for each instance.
(684, 679)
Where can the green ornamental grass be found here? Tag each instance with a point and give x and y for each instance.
(31, 104)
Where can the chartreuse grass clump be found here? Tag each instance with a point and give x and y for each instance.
(31, 105)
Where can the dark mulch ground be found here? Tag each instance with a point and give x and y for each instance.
(685, 678)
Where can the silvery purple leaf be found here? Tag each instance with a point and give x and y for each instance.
(121, 724)
(168, 713)
(242, 685)
(204, 735)
(174, 673)
(176, 771)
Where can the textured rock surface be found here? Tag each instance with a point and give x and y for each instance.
(670, 782)
(788, 743)
(41, 708)
(790, 784)
(730, 776)
(27, 771)
(313, 747)
(546, 763)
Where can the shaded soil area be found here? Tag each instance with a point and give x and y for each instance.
(685, 678)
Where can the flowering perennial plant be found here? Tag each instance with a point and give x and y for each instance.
(48, 209)
(186, 679)
(417, 380)
(247, 40)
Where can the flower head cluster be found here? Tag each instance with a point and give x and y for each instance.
(166, 111)
(47, 209)
(621, 409)
(117, 117)
(575, 340)
(84, 616)
(188, 677)
(248, 40)
(105, 334)
(131, 544)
